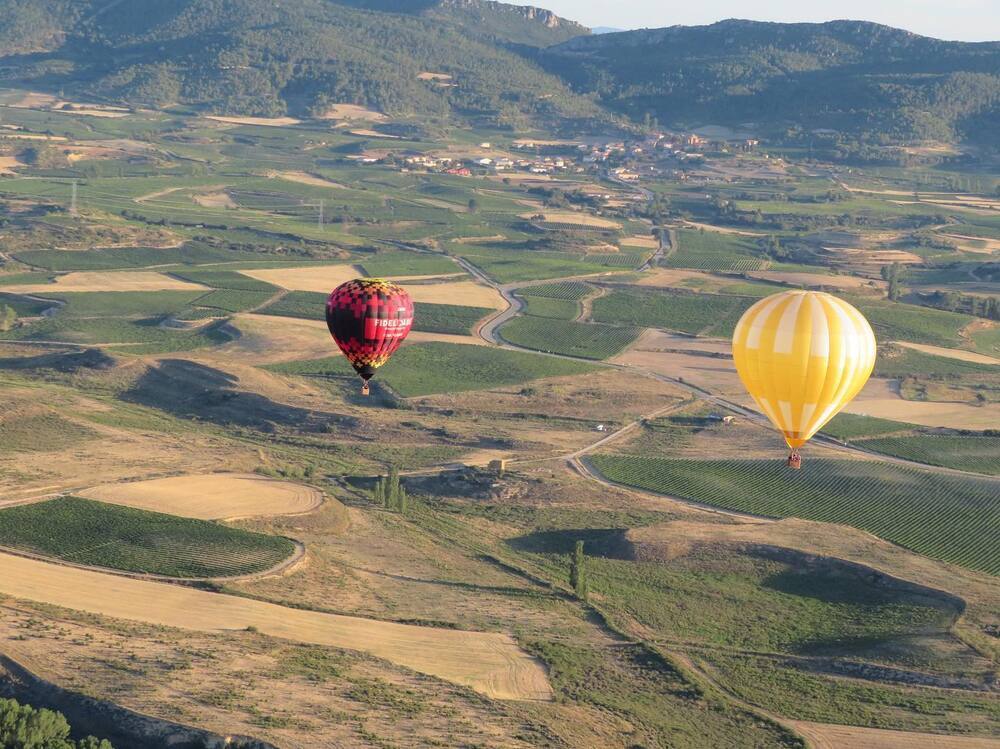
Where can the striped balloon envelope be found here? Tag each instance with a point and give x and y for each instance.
(369, 318)
(803, 356)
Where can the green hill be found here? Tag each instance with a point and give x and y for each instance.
(257, 57)
(857, 78)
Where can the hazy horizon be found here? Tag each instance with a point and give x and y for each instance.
(961, 20)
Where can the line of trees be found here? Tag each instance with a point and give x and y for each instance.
(390, 493)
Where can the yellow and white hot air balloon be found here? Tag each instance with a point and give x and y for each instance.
(803, 356)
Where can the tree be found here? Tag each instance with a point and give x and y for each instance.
(893, 274)
(473, 205)
(8, 316)
(24, 727)
(578, 572)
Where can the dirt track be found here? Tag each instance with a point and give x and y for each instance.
(490, 663)
(221, 496)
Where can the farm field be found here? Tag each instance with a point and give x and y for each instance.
(174, 404)
(490, 663)
(86, 532)
(697, 314)
(570, 338)
(937, 515)
(428, 368)
(217, 496)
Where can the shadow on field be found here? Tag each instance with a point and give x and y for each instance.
(609, 543)
(191, 390)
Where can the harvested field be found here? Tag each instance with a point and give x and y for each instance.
(112, 281)
(573, 218)
(490, 663)
(215, 200)
(981, 245)
(814, 280)
(324, 278)
(266, 339)
(702, 362)
(366, 133)
(428, 76)
(646, 243)
(352, 112)
(307, 179)
(881, 399)
(828, 736)
(724, 229)
(950, 353)
(219, 496)
(265, 121)
(8, 164)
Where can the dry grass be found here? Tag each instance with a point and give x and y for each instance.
(112, 281)
(574, 218)
(214, 200)
(352, 112)
(826, 736)
(490, 663)
(646, 243)
(813, 280)
(307, 179)
(265, 121)
(215, 496)
(881, 399)
(950, 353)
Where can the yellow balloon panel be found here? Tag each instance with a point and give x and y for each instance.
(803, 356)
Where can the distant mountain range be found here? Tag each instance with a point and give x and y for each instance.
(862, 79)
(505, 65)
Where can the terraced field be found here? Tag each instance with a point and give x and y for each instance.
(86, 532)
(943, 516)
(570, 338)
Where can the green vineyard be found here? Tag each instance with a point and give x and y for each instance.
(554, 309)
(571, 290)
(82, 531)
(964, 453)
(698, 314)
(569, 338)
(948, 517)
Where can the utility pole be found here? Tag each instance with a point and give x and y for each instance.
(72, 200)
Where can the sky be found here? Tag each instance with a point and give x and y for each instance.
(966, 20)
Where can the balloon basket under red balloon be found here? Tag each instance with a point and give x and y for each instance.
(366, 388)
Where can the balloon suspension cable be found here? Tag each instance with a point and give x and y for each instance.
(365, 388)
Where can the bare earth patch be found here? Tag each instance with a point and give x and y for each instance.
(981, 245)
(220, 496)
(490, 663)
(723, 229)
(113, 281)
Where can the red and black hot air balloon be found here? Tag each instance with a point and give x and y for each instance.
(369, 318)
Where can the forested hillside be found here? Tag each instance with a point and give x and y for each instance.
(262, 58)
(519, 24)
(858, 78)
